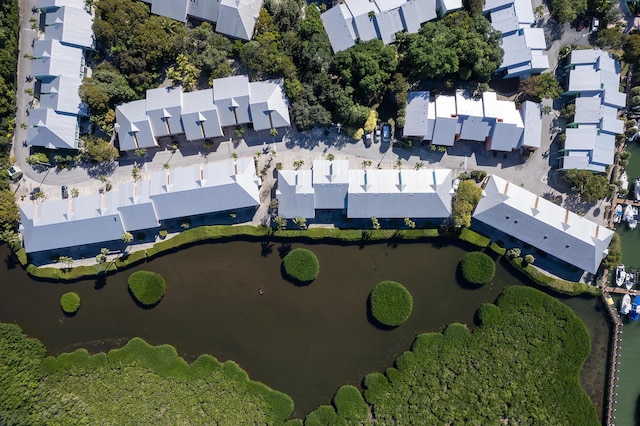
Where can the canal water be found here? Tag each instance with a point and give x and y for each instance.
(304, 341)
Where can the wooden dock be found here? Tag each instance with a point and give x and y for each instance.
(614, 353)
(621, 290)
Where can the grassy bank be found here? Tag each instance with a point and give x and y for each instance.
(207, 234)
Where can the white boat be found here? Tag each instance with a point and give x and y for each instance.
(620, 275)
(633, 222)
(624, 181)
(636, 189)
(617, 217)
(628, 280)
(628, 213)
(625, 306)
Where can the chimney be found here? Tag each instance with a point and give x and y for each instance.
(201, 173)
(535, 205)
(70, 206)
(597, 231)
(135, 189)
(566, 216)
(506, 188)
(102, 202)
(168, 179)
(235, 168)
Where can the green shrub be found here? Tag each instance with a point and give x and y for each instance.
(391, 303)
(70, 302)
(569, 288)
(477, 268)
(147, 287)
(301, 265)
(474, 238)
(350, 405)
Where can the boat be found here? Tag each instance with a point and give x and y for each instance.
(625, 306)
(617, 217)
(633, 222)
(624, 181)
(628, 281)
(636, 189)
(620, 275)
(634, 313)
(628, 213)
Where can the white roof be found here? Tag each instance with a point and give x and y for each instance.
(505, 20)
(61, 94)
(71, 26)
(532, 117)
(269, 105)
(399, 193)
(237, 18)
(70, 222)
(174, 9)
(135, 207)
(605, 148)
(491, 5)
(524, 11)
(229, 94)
(295, 194)
(389, 23)
(164, 108)
(330, 183)
(475, 129)
(467, 105)
(588, 110)
(417, 12)
(204, 10)
(52, 130)
(50, 5)
(340, 27)
(543, 224)
(133, 126)
(51, 59)
(416, 117)
(581, 138)
(449, 5)
(534, 38)
(208, 188)
(200, 115)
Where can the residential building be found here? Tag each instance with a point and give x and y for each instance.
(233, 101)
(446, 119)
(70, 25)
(365, 20)
(56, 224)
(594, 81)
(535, 221)
(102, 218)
(53, 130)
(52, 59)
(234, 18)
(523, 45)
(385, 194)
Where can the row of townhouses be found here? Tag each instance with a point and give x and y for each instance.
(59, 66)
(443, 120)
(594, 81)
(232, 101)
(232, 185)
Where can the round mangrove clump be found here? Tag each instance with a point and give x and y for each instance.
(301, 265)
(391, 303)
(70, 302)
(147, 287)
(478, 268)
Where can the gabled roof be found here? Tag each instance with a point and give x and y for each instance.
(389, 22)
(543, 224)
(174, 9)
(71, 26)
(133, 126)
(229, 94)
(52, 5)
(61, 94)
(449, 5)
(340, 27)
(237, 18)
(399, 193)
(331, 183)
(416, 12)
(295, 194)
(52, 59)
(269, 105)
(208, 188)
(200, 115)
(50, 129)
(135, 206)
(164, 109)
(70, 222)
(204, 10)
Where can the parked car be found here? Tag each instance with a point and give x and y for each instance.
(65, 191)
(378, 135)
(386, 132)
(595, 25)
(14, 173)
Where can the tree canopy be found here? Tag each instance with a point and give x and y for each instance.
(467, 197)
(541, 86)
(592, 187)
(567, 10)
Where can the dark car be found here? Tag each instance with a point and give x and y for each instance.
(386, 132)
(65, 191)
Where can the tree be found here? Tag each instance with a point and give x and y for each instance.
(67, 260)
(529, 259)
(411, 224)
(592, 187)
(542, 86)
(297, 164)
(127, 237)
(372, 120)
(98, 150)
(611, 38)
(375, 223)
(101, 258)
(632, 48)
(300, 222)
(38, 158)
(9, 213)
(567, 10)
(465, 201)
(185, 74)
(280, 222)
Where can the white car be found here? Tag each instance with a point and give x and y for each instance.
(595, 25)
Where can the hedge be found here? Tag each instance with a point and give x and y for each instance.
(477, 268)
(570, 288)
(147, 287)
(474, 238)
(390, 303)
(131, 259)
(301, 266)
(70, 302)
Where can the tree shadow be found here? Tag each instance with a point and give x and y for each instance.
(266, 248)
(100, 169)
(101, 282)
(11, 261)
(284, 250)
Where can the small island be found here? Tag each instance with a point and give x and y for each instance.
(301, 266)
(70, 303)
(391, 303)
(147, 287)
